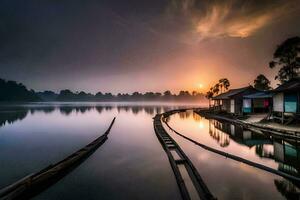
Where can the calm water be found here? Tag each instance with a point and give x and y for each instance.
(132, 164)
(228, 179)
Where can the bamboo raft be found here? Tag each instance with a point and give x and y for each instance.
(233, 157)
(179, 161)
(33, 184)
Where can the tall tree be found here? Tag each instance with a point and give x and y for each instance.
(262, 83)
(287, 58)
(224, 84)
(209, 95)
(216, 89)
(221, 85)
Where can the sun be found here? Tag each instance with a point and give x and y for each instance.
(200, 85)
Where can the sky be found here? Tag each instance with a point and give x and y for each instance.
(135, 45)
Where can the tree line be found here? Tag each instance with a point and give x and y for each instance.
(68, 95)
(13, 91)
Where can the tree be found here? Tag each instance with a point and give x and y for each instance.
(262, 83)
(47, 95)
(224, 83)
(209, 95)
(216, 89)
(287, 58)
(13, 91)
(167, 93)
(158, 94)
(66, 95)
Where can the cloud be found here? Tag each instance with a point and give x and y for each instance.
(232, 18)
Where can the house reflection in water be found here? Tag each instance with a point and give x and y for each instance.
(216, 132)
(288, 157)
(285, 152)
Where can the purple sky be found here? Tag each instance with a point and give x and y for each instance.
(125, 46)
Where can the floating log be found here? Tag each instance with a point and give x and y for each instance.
(179, 159)
(33, 184)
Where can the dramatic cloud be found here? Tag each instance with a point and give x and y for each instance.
(232, 18)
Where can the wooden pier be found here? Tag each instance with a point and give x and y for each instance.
(33, 184)
(190, 183)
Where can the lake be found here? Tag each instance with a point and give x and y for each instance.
(131, 164)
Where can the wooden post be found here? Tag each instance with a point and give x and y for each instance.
(282, 114)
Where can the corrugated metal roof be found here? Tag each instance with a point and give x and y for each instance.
(258, 95)
(230, 93)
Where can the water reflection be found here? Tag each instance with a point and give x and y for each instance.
(274, 152)
(287, 189)
(285, 152)
(9, 117)
(130, 162)
(134, 155)
(11, 114)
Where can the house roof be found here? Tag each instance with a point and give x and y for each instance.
(258, 95)
(292, 85)
(231, 93)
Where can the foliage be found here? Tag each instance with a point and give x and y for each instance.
(221, 86)
(47, 95)
(287, 58)
(67, 95)
(13, 91)
(224, 84)
(262, 83)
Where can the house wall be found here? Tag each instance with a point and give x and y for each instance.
(259, 105)
(237, 102)
(290, 102)
(278, 100)
(226, 105)
(238, 99)
(247, 105)
(238, 106)
(232, 105)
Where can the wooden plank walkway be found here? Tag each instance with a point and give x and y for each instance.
(190, 183)
(33, 184)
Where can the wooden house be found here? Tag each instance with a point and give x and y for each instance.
(286, 101)
(232, 100)
(259, 102)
